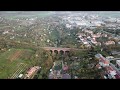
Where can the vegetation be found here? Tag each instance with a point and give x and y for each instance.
(21, 39)
(11, 59)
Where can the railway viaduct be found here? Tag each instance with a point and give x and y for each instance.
(58, 50)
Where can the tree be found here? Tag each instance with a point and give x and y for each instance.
(66, 58)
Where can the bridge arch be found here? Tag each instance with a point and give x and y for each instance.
(61, 52)
(56, 51)
(51, 51)
(67, 52)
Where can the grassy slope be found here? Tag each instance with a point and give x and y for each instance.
(7, 68)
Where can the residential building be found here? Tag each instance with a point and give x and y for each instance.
(111, 72)
(110, 42)
(102, 60)
(109, 57)
(98, 66)
(118, 63)
(32, 71)
(115, 53)
(118, 42)
(66, 76)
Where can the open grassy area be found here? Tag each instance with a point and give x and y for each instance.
(13, 62)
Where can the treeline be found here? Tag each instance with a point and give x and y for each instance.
(16, 44)
(43, 59)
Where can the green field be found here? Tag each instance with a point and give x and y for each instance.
(13, 62)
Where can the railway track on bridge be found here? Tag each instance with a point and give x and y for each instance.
(60, 48)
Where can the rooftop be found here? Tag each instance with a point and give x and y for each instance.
(32, 70)
(66, 76)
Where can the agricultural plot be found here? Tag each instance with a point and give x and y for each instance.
(20, 68)
(16, 55)
(13, 62)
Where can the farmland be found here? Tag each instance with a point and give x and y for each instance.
(14, 61)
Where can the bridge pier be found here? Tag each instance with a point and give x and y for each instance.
(54, 50)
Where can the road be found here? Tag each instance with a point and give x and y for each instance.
(113, 66)
(114, 59)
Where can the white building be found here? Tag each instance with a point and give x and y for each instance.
(68, 26)
(104, 64)
(110, 42)
(118, 63)
(5, 32)
(118, 42)
(109, 57)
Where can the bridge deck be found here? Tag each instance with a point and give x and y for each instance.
(60, 48)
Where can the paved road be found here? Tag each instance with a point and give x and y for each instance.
(113, 66)
(114, 59)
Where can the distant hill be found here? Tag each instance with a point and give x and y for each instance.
(16, 14)
(100, 13)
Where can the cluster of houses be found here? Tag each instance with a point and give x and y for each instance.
(90, 20)
(98, 35)
(83, 39)
(110, 71)
(81, 20)
(88, 38)
(59, 71)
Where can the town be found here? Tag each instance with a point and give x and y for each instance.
(59, 45)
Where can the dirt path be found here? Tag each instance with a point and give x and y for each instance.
(15, 55)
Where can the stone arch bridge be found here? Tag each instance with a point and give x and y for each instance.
(58, 49)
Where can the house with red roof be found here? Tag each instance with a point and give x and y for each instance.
(65, 67)
(111, 72)
(102, 60)
(32, 71)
